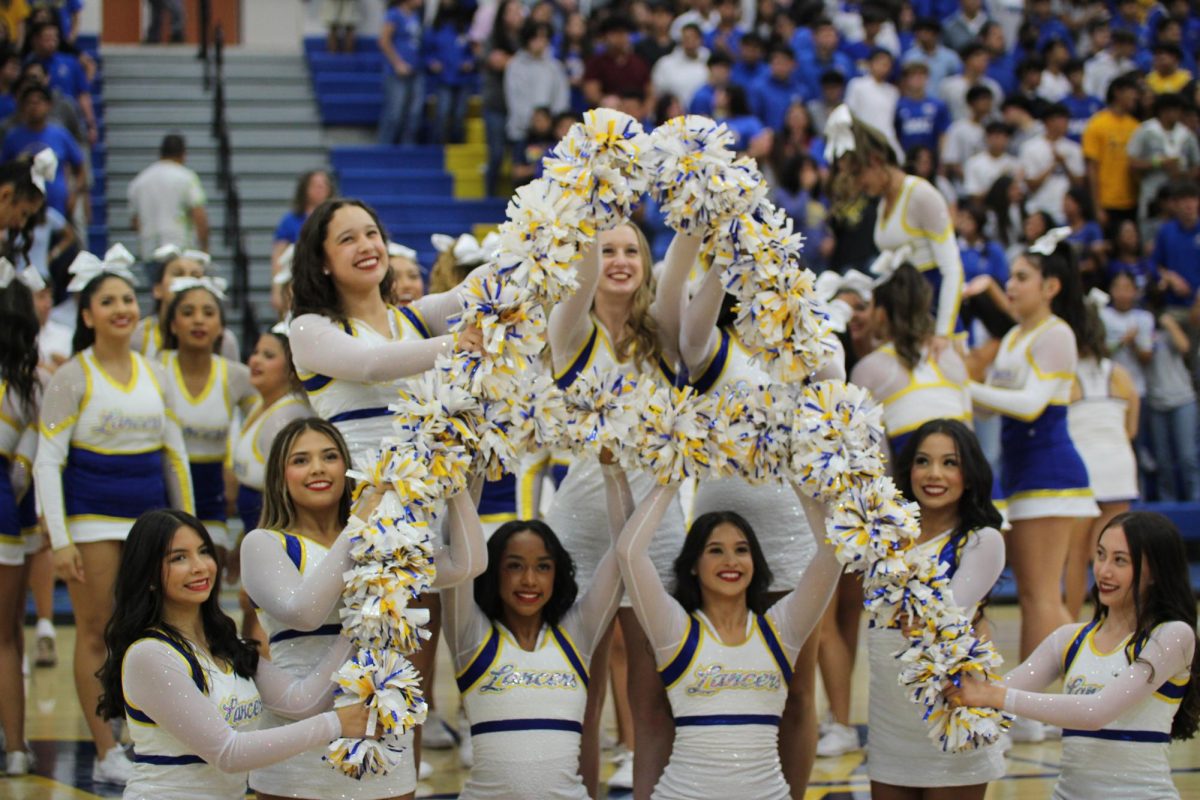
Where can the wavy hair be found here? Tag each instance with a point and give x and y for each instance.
(642, 343)
(84, 336)
(905, 299)
(278, 511)
(562, 594)
(975, 508)
(18, 343)
(1155, 544)
(170, 340)
(687, 590)
(138, 606)
(313, 291)
(871, 149)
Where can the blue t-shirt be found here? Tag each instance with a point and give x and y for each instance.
(23, 141)
(1082, 109)
(921, 122)
(983, 258)
(406, 36)
(1087, 236)
(743, 129)
(1178, 249)
(66, 10)
(730, 41)
(8, 105)
(288, 229)
(809, 69)
(1142, 270)
(1003, 70)
(770, 99)
(452, 50)
(65, 74)
(703, 101)
(745, 74)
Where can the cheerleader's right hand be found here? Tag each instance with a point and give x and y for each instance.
(470, 340)
(67, 564)
(354, 722)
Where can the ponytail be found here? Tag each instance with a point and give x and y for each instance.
(1068, 305)
(905, 298)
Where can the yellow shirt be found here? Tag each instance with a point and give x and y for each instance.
(13, 14)
(1105, 141)
(1168, 84)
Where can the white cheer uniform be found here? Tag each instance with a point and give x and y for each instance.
(252, 445)
(1097, 425)
(18, 445)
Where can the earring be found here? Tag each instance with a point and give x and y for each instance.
(325, 271)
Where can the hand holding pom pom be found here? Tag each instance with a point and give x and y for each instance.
(836, 439)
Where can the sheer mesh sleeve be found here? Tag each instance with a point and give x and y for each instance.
(60, 409)
(698, 334)
(300, 601)
(928, 213)
(466, 555)
(1052, 369)
(571, 320)
(176, 472)
(671, 296)
(436, 309)
(979, 567)
(320, 345)
(798, 612)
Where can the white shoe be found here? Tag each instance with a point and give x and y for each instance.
(622, 777)
(436, 734)
(1052, 731)
(20, 762)
(115, 768)
(824, 725)
(466, 753)
(1027, 731)
(425, 771)
(840, 740)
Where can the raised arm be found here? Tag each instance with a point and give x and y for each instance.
(320, 345)
(571, 320)
(436, 309)
(698, 334)
(465, 625)
(157, 681)
(663, 619)
(980, 566)
(671, 295)
(800, 610)
(1052, 369)
(60, 409)
(929, 214)
(466, 555)
(177, 474)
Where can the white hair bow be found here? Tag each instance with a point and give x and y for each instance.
(840, 313)
(284, 276)
(397, 250)
(830, 284)
(887, 262)
(283, 327)
(839, 133)
(43, 169)
(86, 267)
(28, 276)
(1049, 241)
(215, 285)
(169, 252)
(466, 248)
(1097, 298)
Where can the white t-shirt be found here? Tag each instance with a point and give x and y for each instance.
(964, 138)
(982, 170)
(679, 75)
(162, 197)
(1035, 157)
(954, 93)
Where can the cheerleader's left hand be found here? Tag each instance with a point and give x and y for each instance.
(975, 693)
(470, 340)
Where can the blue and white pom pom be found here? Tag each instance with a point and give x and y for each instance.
(872, 523)
(672, 438)
(601, 160)
(390, 687)
(837, 439)
(602, 411)
(542, 239)
(538, 413)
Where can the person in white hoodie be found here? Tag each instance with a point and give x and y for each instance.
(534, 78)
(685, 69)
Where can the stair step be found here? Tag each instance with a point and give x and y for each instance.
(240, 139)
(296, 91)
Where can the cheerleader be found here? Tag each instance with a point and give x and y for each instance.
(910, 381)
(617, 322)
(913, 223)
(1043, 484)
(170, 264)
(110, 448)
(1131, 676)
(717, 636)
(1103, 421)
(189, 689)
(293, 567)
(856, 291)
(209, 389)
(408, 285)
(943, 470)
(20, 394)
(712, 352)
(522, 642)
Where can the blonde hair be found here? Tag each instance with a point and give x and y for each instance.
(870, 148)
(278, 511)
(642, 342)
(446, 273)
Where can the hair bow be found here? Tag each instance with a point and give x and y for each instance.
(87, 266)
(397, 250)
(839, 133)
(830, 284)
(283, 327)
(43, 169)
(466, 248)
(284, 276)
(1097, 298)
(886, 264)
(169, 252)
(1049, 241)
(215, 285)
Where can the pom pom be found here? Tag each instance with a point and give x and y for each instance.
(512, 322)
(761, 421)
(873, 523)
(358, 758)
(602, 410)
(538, 413)
(540, 242)
(836, 439)
(673, 434)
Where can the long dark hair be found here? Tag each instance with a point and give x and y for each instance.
(975, 507)
(313, 291)
(905, 298)
(1068, 304)
(18, 343)
(1155, 543)
(138, 606)
(85, 336)
(170, 340)
(687, 584)
(18, 173)
(564, 591)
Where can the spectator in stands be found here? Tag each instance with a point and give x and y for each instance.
(964, 137)
(798, 138)
(833, 91)
(699, 12)
(574, 48)
(400, 41)
(1002, 66)
(685, 69)
(341, 18)
(657, 42)
(1128, 18)
(1129, 256)
(166, 202)
(1029, 81)
(927, 47)
(921, 120)
(719, 77)
(965, 25)
(527, 155)
(312, 188)
(1162, 150)
(1005, 212)
(13, 14)
(873, 99)
(1177, 246)
(68, 18)
(1051, 164)
(1115, 60)
(922, 162)
(159, 9)
(1171, 399)
(778, 89)
(450, 61)
(63, 110)
(983, 169)
(497, 46)
(749, 67)
(1020, 118)
(1080, 216)
(1167, 77)
(64, 72)
(1106, 148)
(533, 79)
(953, 90)
(1169, 30)
(1081, 105)
(980, 255)
(797, 191)
(617, 70)
(10, 73)
(1054, 85)
(823, 56)
(726, 36)
(34, 134)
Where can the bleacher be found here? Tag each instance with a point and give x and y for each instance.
(97, 233)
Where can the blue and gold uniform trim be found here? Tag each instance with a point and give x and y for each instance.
(570, 653)
(479, 663)
(771, 637)
(684, 656)
(193, 664)
(712, 372)
(580, 362)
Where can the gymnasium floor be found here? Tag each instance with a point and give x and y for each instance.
(65, 756)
